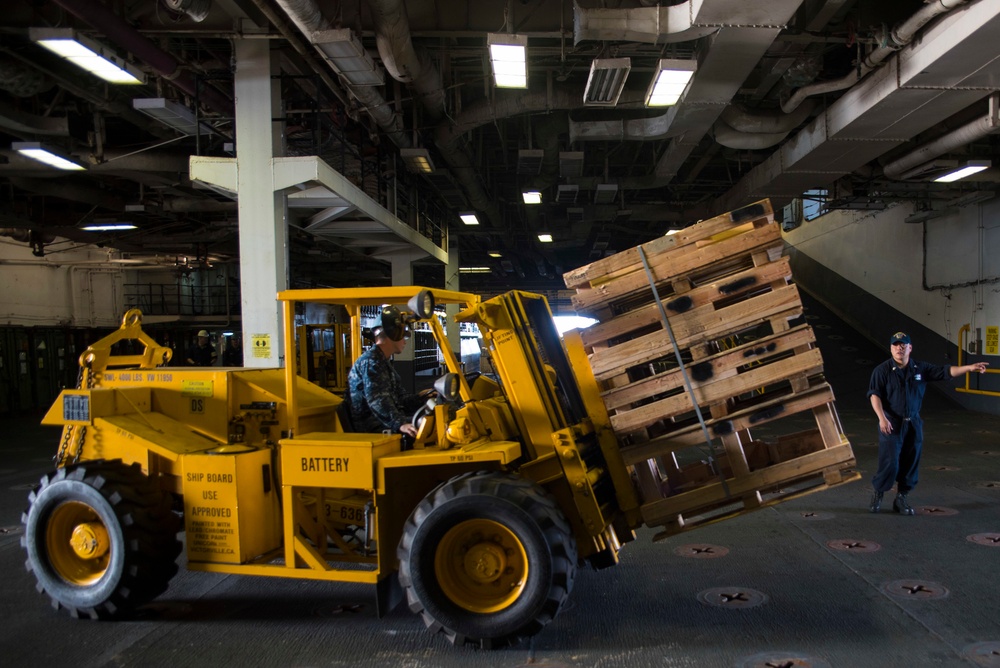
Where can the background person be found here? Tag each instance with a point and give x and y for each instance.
(896, 392)
(202, 353)
(232, 354)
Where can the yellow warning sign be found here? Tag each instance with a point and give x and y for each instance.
(992, 346)
(196, 388)
(261, 345)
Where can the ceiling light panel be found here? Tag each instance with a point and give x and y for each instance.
(87, 54)
(567, 194)
(172, 114)
(44, 154)
(605, 193)
(529, 161)
(509, 59)
(570, 164)
(417, 160)
(968, 169)
(469, 218)
(606, 81)
(670, 81)
(348, 56)
(532, 197)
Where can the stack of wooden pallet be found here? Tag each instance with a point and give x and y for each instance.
(695, 346)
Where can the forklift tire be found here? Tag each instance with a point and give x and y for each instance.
(101, 538)
(487, 559)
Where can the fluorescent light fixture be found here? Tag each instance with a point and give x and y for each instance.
(475, 270)
(35, 151)
(469, 218)
(344, 50)
(545, 238)
(529, 160)
(567, 194)
(172, 114)
(606, 81)
(508, 55)
(968, 169)
(532, 197)
(494, 253)
(97, 226)
(417, 160)
(670, 81)
(605, 193)
(570, 164)
(88, 54)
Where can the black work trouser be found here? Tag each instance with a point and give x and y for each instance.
(899, 457)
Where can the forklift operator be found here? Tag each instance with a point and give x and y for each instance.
(378, 402)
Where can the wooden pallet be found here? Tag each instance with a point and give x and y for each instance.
(727, 294)
(710, 252)
(757, 473)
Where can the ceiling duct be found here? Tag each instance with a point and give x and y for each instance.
(306, 15)
(892, 40)
(933, 78)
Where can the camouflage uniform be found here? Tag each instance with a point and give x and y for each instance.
(377, 397)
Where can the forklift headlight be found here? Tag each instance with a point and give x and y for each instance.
(448, 386)
(422, 304)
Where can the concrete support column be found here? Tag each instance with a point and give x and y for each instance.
(262, 212)
(452, 282)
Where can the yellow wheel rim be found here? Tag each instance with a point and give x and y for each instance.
(481, 566)
(77, 543)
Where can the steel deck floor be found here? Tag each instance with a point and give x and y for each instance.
(818, 581)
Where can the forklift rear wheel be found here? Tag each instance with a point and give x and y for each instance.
(487, 559)
(101, 538)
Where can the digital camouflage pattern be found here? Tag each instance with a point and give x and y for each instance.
(378, 400)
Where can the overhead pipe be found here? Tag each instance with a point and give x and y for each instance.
(99, 17)
(402, 61)
(970, 132)
(740, 128)
(306, 15)
(895, 39)
(19, 121)
(730, 137)
(741, 119)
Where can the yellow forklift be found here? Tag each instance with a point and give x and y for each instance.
(479, 523)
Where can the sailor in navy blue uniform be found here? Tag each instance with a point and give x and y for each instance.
(377, 399)
(896, 392)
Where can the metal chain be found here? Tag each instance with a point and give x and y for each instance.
(60, 457)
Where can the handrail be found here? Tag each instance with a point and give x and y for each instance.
(961, 346)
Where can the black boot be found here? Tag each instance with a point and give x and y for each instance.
(876, 503)
(900, 505)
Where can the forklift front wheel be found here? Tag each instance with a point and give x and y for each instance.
(487, 558)
(101, 538)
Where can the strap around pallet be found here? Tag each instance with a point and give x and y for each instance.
(684, 373)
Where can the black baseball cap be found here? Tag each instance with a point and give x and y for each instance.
(899, 337)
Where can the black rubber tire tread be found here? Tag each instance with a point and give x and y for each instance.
(142, 529)
(551, 549)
